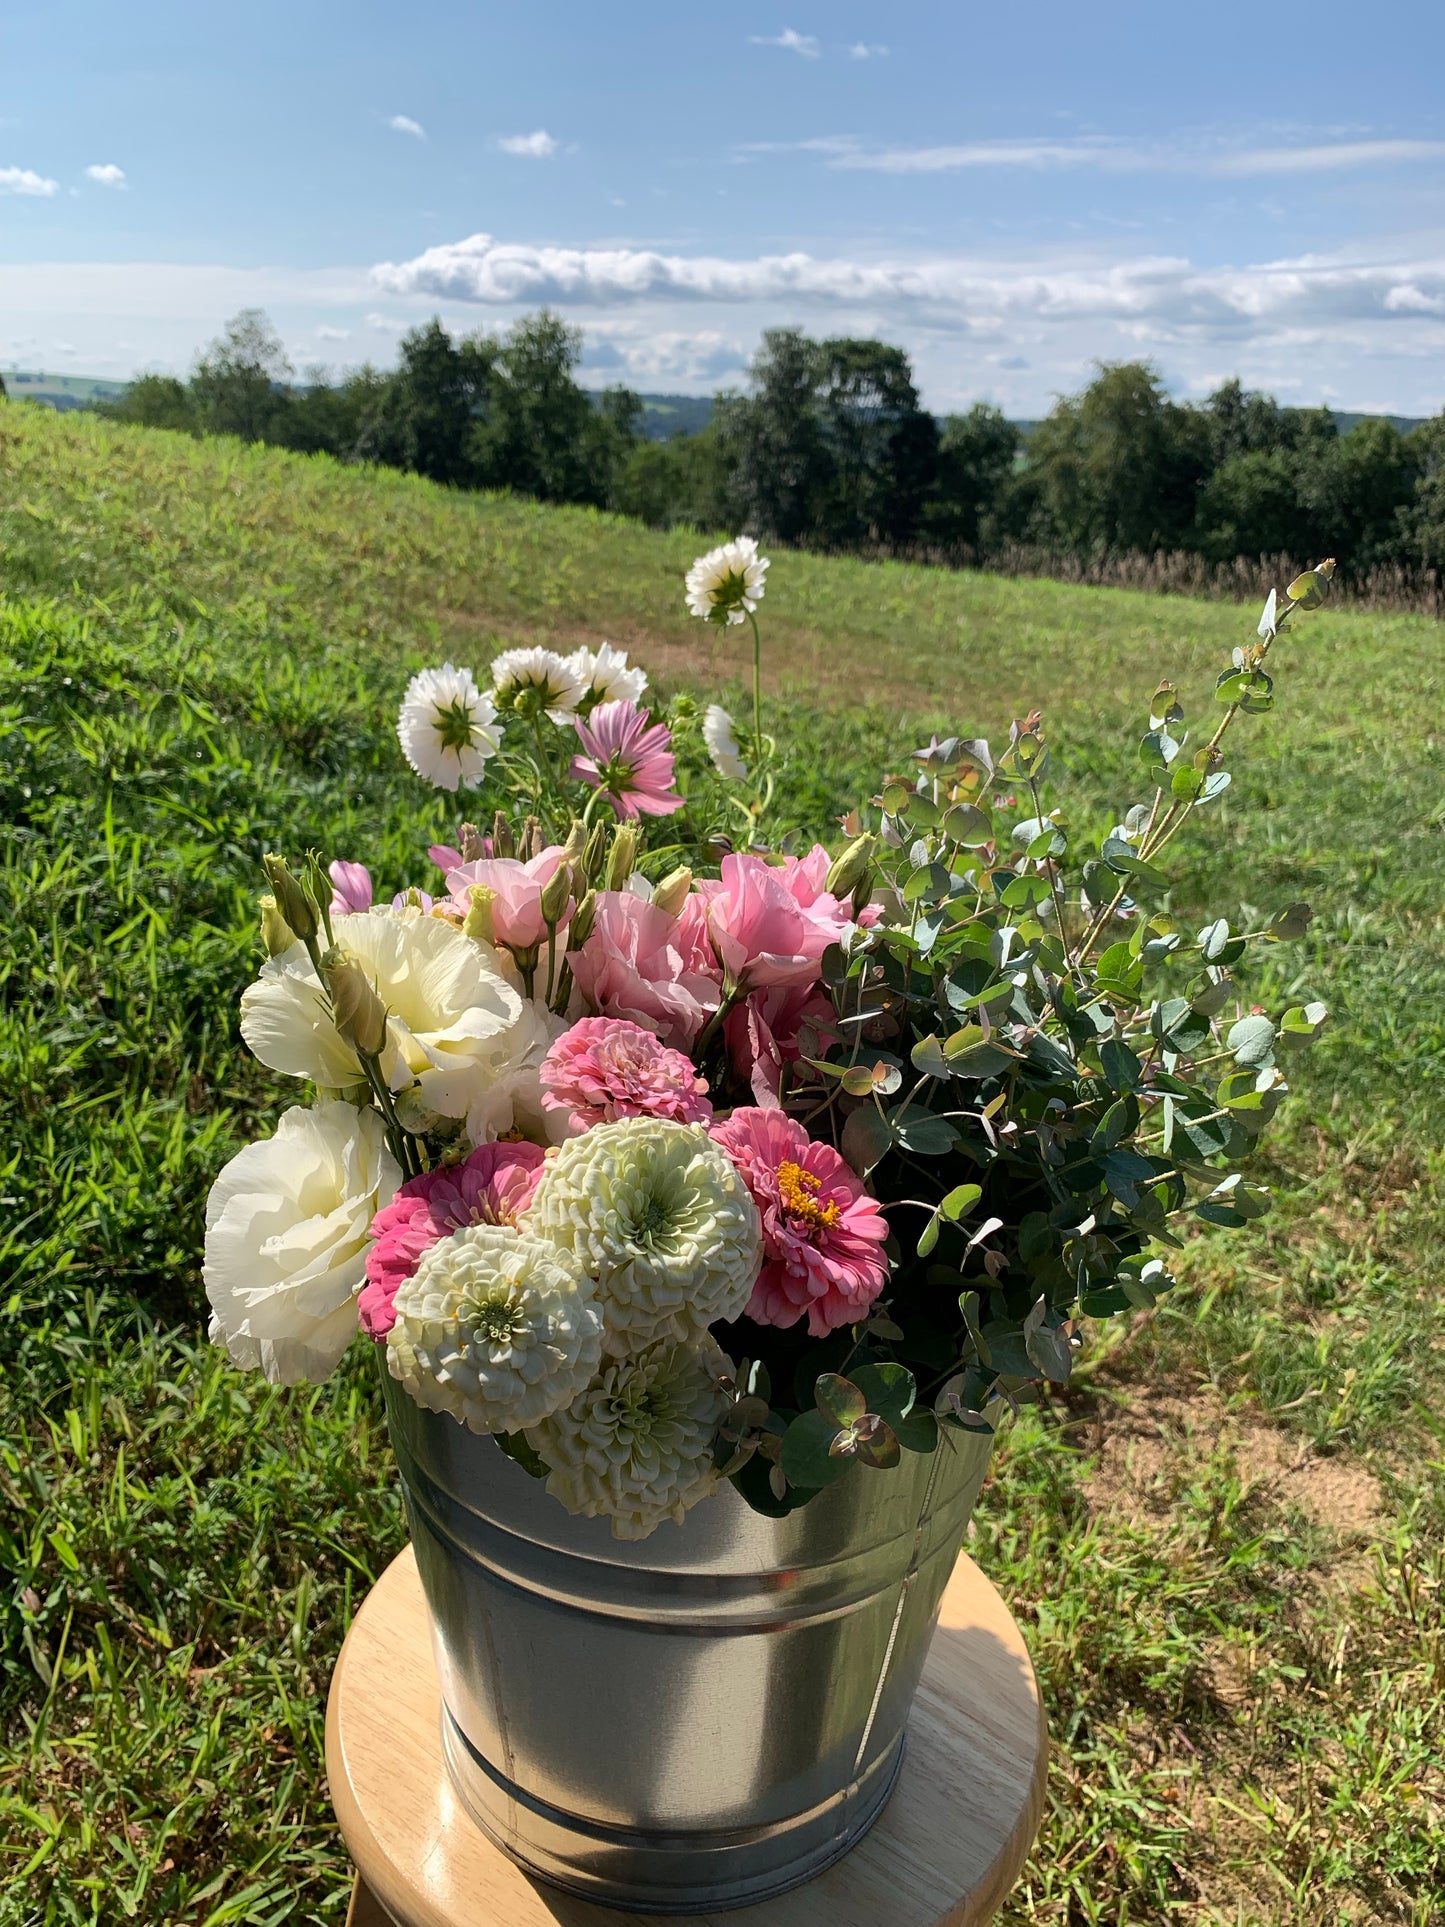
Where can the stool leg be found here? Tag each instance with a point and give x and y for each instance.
(365, 1909)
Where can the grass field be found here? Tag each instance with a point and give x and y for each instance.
(1227, 1543)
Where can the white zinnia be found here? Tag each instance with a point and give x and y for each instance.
(451, 1010)
(606, 677)
(288, 1226)
(722, 743)
(536, 682)
(726, 584)
(657, 1215)
(445, 727)
(637, 1446)
(497, 1329)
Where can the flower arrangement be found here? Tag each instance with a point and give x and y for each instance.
(767, 1168)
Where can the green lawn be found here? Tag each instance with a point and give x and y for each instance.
(1225, 1543)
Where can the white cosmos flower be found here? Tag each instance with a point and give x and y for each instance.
(445, 727)
(658, 1217)
(497, 1329)
(722, 744)
(726, 584)
(451, 1010)
(606, 677)
(636, 1446)
(287, 1231)
(536, 682)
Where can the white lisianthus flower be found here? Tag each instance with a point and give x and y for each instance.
(536, 682)
(508, 1095)
(497, 1329)
(450, 1010)
(726, 584)
(658, 1216)
(722, 744)
(606, 676)
(445, 727)
(288, 1227)
(636, 1446)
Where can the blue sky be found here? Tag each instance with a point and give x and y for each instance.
(1008, 191)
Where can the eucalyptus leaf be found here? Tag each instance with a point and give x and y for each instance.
(807, 1458)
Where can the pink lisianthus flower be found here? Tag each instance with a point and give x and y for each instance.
(642, 964)
(774, 1027)
(351, 888)
(516, 887)
(629, 759)
(822, 1234)
(771, 924)
(493, 1186)
(605, 1068)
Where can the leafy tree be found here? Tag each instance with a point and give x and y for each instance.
(976, 456)
(1118, 466)
(881, 449)
(541, 434)
(772, 440)
(239, 383)
(679, 481)
(327, 419)
(424, 416)
(1422, 525)
(154, 401)
(1343, 494)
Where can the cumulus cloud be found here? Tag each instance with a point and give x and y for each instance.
(540, 146)
(106, 174)
(24, 180)
(805, 44)
(404, 124)
(325, 332)
(865, 50)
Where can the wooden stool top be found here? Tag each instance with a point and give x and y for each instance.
(944, 1853)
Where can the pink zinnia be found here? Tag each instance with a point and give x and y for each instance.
(493, 1186)
(628, 759)
(351, 888)
(604, 1068)
(822, 1233)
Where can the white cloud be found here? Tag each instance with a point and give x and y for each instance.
(1117, 156)
(106, 174)
(385, 324)
(540, 146)
(24, 180)
(404, 124)
(805, 44)
(864, 50)
(325, 332)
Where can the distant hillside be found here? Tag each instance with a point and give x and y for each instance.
(664, 416)
(60, 391)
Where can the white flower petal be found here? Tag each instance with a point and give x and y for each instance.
(720, 736)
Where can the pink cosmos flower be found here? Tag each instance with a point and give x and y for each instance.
(774, 1027)
(642, 964)
(351, 888)
(444, 856)
(822, 1233)
(493, 1186)
(605, 1068)
(630, 761)
(517, 919)
(771, 924)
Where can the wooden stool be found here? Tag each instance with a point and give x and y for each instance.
(944, 1853)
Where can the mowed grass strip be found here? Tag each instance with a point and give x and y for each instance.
(1225, 1541)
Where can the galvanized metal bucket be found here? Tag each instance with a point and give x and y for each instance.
(697, 1720)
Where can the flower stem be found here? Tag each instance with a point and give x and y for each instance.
(757, 694)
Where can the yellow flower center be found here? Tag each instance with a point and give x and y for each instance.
(799, 1191)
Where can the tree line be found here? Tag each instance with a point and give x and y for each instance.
(830, 447)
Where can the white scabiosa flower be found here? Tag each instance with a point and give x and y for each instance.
(606, 677)
(536, 682)
(451, 1010)
(497, 1329)
(658, 1217)
(288, 1227)
(446, 727)
(636, 1446)
(722, 743)
(726, 584)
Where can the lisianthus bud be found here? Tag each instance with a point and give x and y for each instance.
(479, 925)
(503, 842)
(576, 842)
(276, 933)
(593, 854)
(622, 857)
(671, 893)
(356, 1010)
(852, 865)
(556, 894)
(533, 842)
(583, 918)
(474, 844)
(291, 900)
